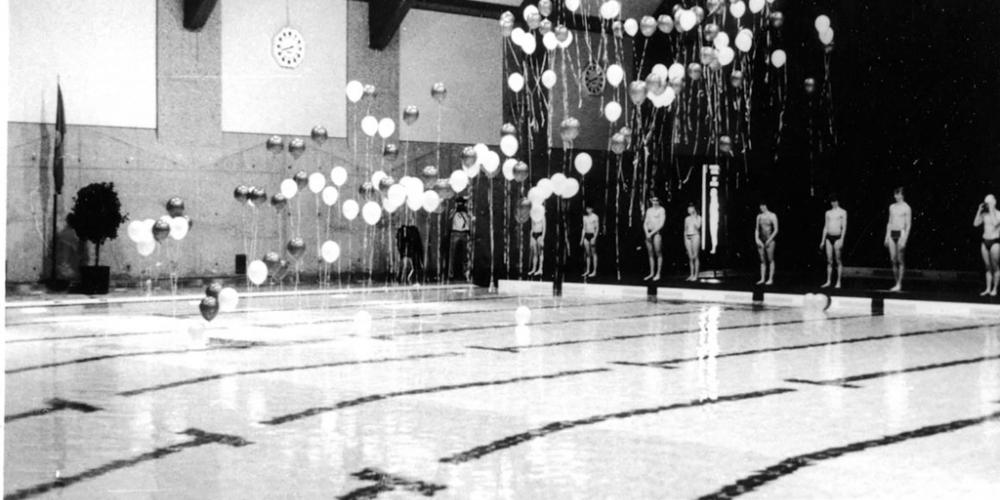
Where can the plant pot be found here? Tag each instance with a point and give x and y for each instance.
(94, 280)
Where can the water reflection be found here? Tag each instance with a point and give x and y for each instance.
(708, 351)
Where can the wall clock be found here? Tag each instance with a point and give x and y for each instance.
(593, 78)
(288, 47)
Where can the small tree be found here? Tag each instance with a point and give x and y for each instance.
(96, 215)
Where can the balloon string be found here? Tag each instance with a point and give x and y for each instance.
(492, 250)
(618, 191)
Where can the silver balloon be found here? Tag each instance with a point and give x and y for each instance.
(297, 147)
(275, 144)
(319, 135)
(439, 92)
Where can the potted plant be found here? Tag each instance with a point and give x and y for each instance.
(96, 216)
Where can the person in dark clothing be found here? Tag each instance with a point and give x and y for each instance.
(411, 253)
(461, 226)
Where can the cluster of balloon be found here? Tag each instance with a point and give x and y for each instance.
(825, 31)
(250, 195)
(816, 302)
(147, 233)
(271, 264)
(809, 85)
(218, 298)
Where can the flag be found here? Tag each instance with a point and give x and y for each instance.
(57, 162)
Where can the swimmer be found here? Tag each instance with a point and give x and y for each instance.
(653, 222)
(989, 217)
(897, 235)
(588, 240)
(692, 240)
(764, 233)
(832, 240)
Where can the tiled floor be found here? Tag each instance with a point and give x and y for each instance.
(441, 394)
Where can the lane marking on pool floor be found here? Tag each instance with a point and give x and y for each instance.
(846, 381)
(52, 405)
(385, 482)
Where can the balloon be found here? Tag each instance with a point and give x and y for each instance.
(665, 23)
(549, 41)
(257, 272)
(612, 111)
(146, 248)
(744, 40)
(301, 179)
(661, 70)
(694, 71)
(616, 28)
(778, 58)
(736, 79)
(675, 72)
(289, 188)
(721, 40)
(161, 229)
(567, 38)
(712, 5)
(390, 152)
(517, 36)
(377, 178)
(473, 171)
(610, 9)
(545, 186)
(367, 190)
(570, 188)
(349, 209)
(330, 251)
(572, 5)
(706, 56)
(209, 307)
(647, 26)
(443, 188)
(583, 163)
(371, 213)
(637, 92)
(520, 171)
(515, 82)
(506, 23)
(272, 260)
(137, 232)
(523, 210)
(631, 27)
(655, 83)
(316, 182)
(410, 114)
(618, 143)
(178, 228)
(296, 247)
(531, 16)
(545, 7)
(529, 44)
(369, 91)
(458, 181)
(228, 299)
(415, 201)
(430, 173)
(687, 19)
(330, 195)
(369, 125)
(491, 163)
(508, 144)
(537, 213)
(777, 20)
(826, 36)
(275, 144)
(756, 6)
(386, 127)
(319, 135)
(431, 201)
(615, 75)
(508, 129)
(279, 201)
(822, 23)
(257, 195)
(809, 85)
(725, 55)
(508, 168)
(439, 92)
(296, 147)
(549, 78)
(355, 90)
(468, 156)
(175, 207)
(725, 144)
(338, 176)
(396, 194)
(213, 289)
(699, 13)
(241, 193)
(569, 129)
(737, 9)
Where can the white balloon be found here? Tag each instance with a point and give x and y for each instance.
(570, 188)
(316, 182)
(415, 201)
(390, 205)
(396, 194)
(355, 90)
(631, 26)
(612, 111)
(537, 212)
(529, 12)
(491, 162)
(822, 23)
(413, 185)
(688, 20)
(568, 41)
(744, 40)
(146, 247)
(778, 58)
(480, 149)
(289, 188)
(517, 36)
(726, 55)
(583, 163)
(529, 44)
(676, 72)
(737, 9)
(179, 228)
(558, 183)
(664, 99)
(257, 272)
(721, 40)
(515, 82)
(371, 213)
(228, 299)
(826, 36)
(572, 5)
(550, 41)
(615, 75)
(508, 168)
(338, 176)
(369, 125)
(330, 195)
(386, 127)
(549, 78)
(661, 70)
(508, 144)
(431, 201)
(473, 171)
(330, 251)
(458, 181)
(536, 196)
(377, 178)
(136, 232)
(756, 6)
(610, 9)
(545, 186)
(349, 209)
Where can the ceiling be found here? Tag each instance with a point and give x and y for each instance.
(630, 8)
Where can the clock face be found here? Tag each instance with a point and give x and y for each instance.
(593, 78)
(288, 47)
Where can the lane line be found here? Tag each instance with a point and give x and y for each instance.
(200, 438)
(281, 369)
(372, 398)
(517, 439)
(54, 404)
(790, 465)
(846, 381)
(388, 482)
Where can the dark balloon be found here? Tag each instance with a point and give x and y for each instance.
(161, 229)
(271, 260)
(209, 307)
(443, 189)
(366, 190)
(386, 182)
(508, 129)
(520, 171)
(213, 289)
(296, 247)
(319, 135)
(809, 85)
(301, 179)
(175, 207)
(258, 195)
(430, 173)
(297, 147)
(390, 152)
(278, 201)
(725, 145)
(410, 114)
(241, 193)
(777, 20)
(275, 144)
(469, 156)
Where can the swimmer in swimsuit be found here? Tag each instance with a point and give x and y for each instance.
(653, 222)
(989, 217)
(692, 240)
(588, 239)
(832, 241)
(764, 233)
(537, 246)
(897, 234)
